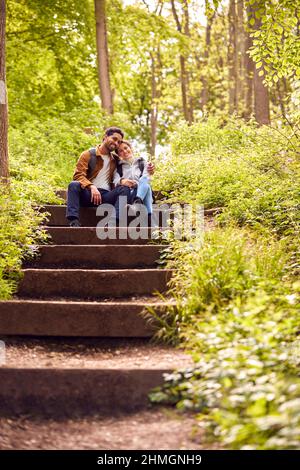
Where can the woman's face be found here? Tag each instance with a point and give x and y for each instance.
(125, 151)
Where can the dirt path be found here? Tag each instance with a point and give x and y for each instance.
(163, 429)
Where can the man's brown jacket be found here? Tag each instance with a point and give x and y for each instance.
(84, 175)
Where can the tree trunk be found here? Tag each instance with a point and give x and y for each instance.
(4, 169)
(184, 83)
(261, 100)
(249, 71)
(103, 57)
(187, 75)
(184, 79)
(280, 96)
(261, 93)
(209, 22)
(240, 58)
(154, 108)
(232, 57)
(156, 67)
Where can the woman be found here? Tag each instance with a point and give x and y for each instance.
(132, 172)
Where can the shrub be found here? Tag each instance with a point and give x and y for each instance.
(254, 174)
(237, 313)
(237, 307)
(19, 233)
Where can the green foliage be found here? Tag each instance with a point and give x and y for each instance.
(19, 233)
(276, 43)
(237, 312)
(236, 289)
(137, 37)
(43, 80)
(48, 150)
(253, 173)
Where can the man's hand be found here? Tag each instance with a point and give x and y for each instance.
(95, 195)
(127, 182)
(150, 168)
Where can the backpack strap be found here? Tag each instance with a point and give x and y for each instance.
(93, 159)
(119, 168)
(141, 164)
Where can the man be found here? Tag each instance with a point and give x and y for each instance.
(92, 184)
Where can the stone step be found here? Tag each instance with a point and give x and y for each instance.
(63, 194)
(92, 284)
(73, 378)
(69, 318)
(88, 236)
(98, 257)
(159, 197)
(154, 428)
(88, 217)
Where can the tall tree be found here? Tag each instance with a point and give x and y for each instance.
(232, 56)
(154, 105)
(4, 169)
(261, 93)
(156, 67)
(103, 57)
(183, 27)
(240, 57)
(249, 70)
(210, 15)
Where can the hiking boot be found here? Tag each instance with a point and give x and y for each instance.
(75, 223)
(137, 200)
(135, 207)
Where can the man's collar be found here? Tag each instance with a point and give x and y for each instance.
(98, 151)
(99, 154)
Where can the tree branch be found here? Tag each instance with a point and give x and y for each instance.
(179, 28)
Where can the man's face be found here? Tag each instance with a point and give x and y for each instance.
(112, 141)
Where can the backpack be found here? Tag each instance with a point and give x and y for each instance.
(93, 159)
(141, 164)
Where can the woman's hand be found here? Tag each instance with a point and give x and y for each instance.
(129, 183)
(95, 195)
(150, 168)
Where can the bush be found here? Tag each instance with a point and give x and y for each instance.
(237, 292)
(19, 233)
(253, 173)
(237, 313)
(49, 149)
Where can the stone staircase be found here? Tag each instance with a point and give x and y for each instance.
(76, 342)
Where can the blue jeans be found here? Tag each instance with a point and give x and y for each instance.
(144, 192)
(78, 197)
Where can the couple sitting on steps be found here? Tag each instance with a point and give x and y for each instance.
(105, 173)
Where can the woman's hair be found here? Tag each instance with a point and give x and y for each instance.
(127, 143)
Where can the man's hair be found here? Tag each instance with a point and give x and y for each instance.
(112, 130)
